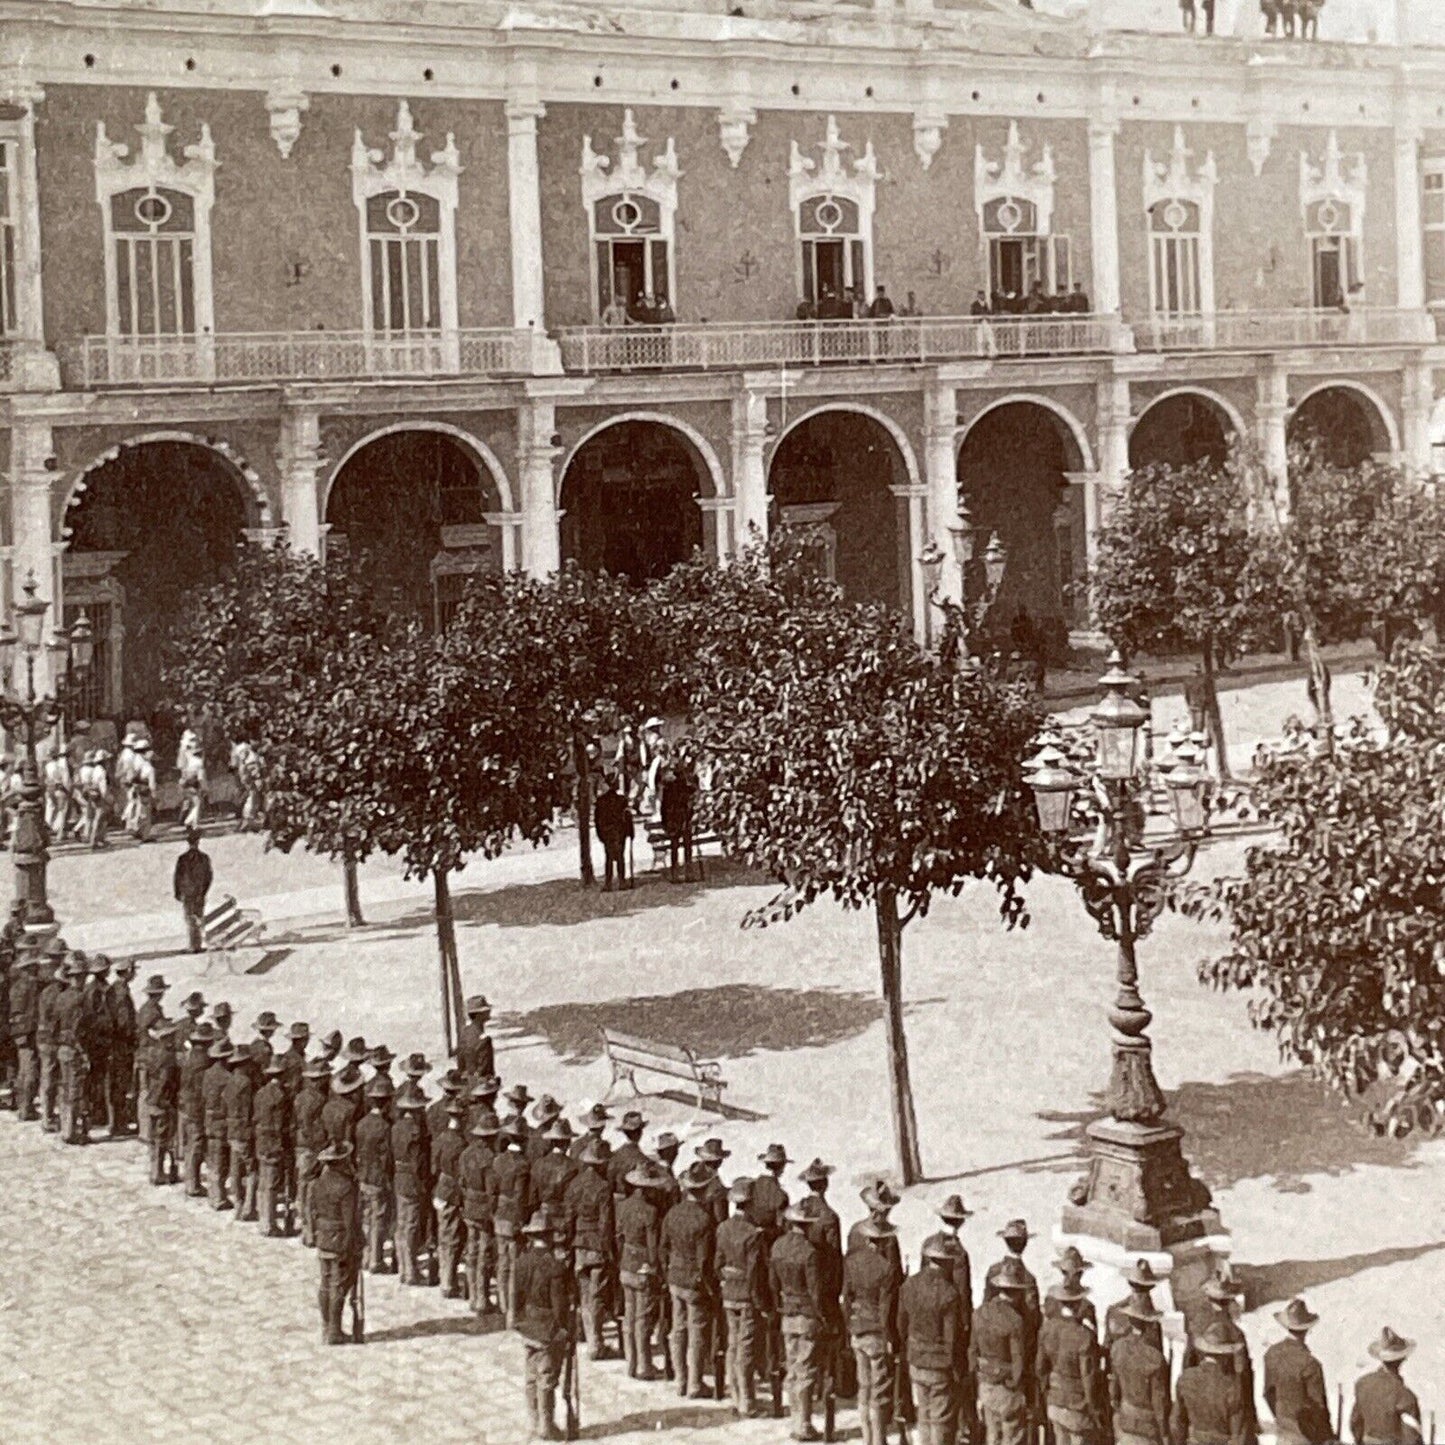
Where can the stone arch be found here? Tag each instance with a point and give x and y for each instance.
(1372, 413)
(1175, 402)
(482, 454)
(707, 453)
(900, 437)
(1084, 459)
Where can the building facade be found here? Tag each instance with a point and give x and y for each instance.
(341, 270)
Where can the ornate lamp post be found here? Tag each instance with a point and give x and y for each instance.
(1138, 1193)
(32, 718)
(963, 618)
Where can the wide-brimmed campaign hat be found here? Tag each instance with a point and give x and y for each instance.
(547, 1109)
(1390, 1348)
(380, 1088)
(347, 1082)
(1070, 1291)
(276, 1064)
(1071, 1262)
(357, 1051)
(1138, 1307)
(221, 1049)
(953, 1210)
(816, 1173)
(299, 1031)
(696, 1176)
(1215, 1341)
(774, 1154)
(940, 1246)
(796, 1214)
(1009, 1274)
(632, 1122)
(594, 1151)
(648, 1175)
(666, 1141)
(266, 1022)
(335, 1152)
(477, 1004)
(711, 1151)
(156, 984)
(485, 1124)
(1016, 1231)
(740, 1191)
(416, 1065)
(409, 1098)
(880, 1195)
(558, 1131)
(1141, 1276)
(1297, 1316)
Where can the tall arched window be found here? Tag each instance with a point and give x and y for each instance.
(1015, 220)
(1332, 198)
(1179, 203)
(833, 211)
(152, 262)
(403, 249)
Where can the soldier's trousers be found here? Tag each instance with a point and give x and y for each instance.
(639, 1320)
(480, 1263)
(742, 1342)
(118, 1081)
(934, 1404)
(544, 1367)
(142, 1088)
(875, 1387)
(506, 1269)
(27, 1080)
(305, 1163)
(1072, 1427)
(1004, 1413)
(243, 1179)
(338, 1280)
(50, 1085)
(450, 1236)
(408, 1236)
(270, 1197)
(688, 1341)
(218, 1163)
(74, 1086)
(800, 1341)
(193, 1151)
(375, 1224)
(161, 1137)
(592, 1298)
(97, 1092)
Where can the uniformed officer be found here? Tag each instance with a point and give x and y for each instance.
(411, 1162)
(240, 1096)
(195, 1064)
(24, 1007)
(53, 983)
(628, 1155)
(213, 1104)
(1072, 1266)
(1120, 1321)
(1294, 1382)
(476, 1057)
(543, 1308)
(265, 1027)
(1386, 1409)
(999, 1354)
(795, 1285)
(446, 1153)
(160, 1105)
(1139, 1375)
(826, 1232)
(155, 989)
(1219, 1294)
(513, 1204)
(590, 1228)
(124, 1040)
(310, 1139)
(1067, 1365)
(339, 1116)
(1207, 1406)
(271, 1114)
(742, 1283)
(711, 1154)
(475, 1165)
(688, 1265)
(593, 1122)
(639, 1247)
(69, 1018)
(871, 1282)
(555, 1169)
(336, 1207)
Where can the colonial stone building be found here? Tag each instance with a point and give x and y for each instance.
(338, 267)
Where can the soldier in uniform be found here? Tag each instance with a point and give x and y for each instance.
(192, 881)
(628, 1155)
(1120, 1320)
(1294, 1382)
(163, 1086)
(194, 1064)
(879, 1199)
(271, 1116)
(547, 1112)
(336, 1204)
(482, 1099)
(331, 1047)
(375, 1169)
(310, 1139)
(293, 1060)
(213, 1102)
(191, 1010)
(1072, 1266)
(687, 1261)
(1217, 1308)
(639, 1249)
(155, 989)
(451, 1085)
(1139, 1376)
(24, 1007)
(766, 1207)
(999, 1354)
(1207, 1406)
(933, 1339)
(222, 1015)
(446, 1153)
(69, 1018)
(870, 1309)
(1386, 1409)
(555, 1170)
(543, 1317)
(1067, 1366)
(124, 1039)
(338, 1117)
(98, 1040)
(591, 1230)
(240, 1095)
(261, 1047)
(826, 1232)
(475, 1055)
(795, 1284)
(742, 1283)
(710, 1154)
(513, 1204)
(475, 1166)
(411, 1164)
(54, 982)
(594, 1121)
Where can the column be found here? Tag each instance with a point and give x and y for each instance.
(525, 208)
(750, 473)
(1271, 419)
(32, 367)
(916, 499)
(940, 466)
(536, 458)
(1417, 408)
(34, 548)
(1104, 216)
(1409, 238)
(298, 459)
(1112, 462)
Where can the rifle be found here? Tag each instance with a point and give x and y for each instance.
(902, 1384)
(830, 1398)
(719, 1350)
(775, 1363)
(571, 1393)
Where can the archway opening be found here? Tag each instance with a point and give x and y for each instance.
(153, 522)
(1344, 423)
(1180, 431)
(829, 482)
(630, 501)
(1013, 471)
(409, 510)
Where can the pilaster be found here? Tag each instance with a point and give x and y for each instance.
(525, 211)
(298, 457)
(940, 466)
(750, 472)
(1417, 406)
(915, 500)
(1409, 260)
(1271, 419)
(537, 452)
(34, 546)
(32, 368)
(1104, 215)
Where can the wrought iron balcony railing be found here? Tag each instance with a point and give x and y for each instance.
(1276, 330)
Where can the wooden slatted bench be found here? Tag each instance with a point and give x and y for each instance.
(227, 927)
(628, 1053)
(658, 841)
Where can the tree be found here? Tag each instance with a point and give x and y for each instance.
(846, 762)
(1177, 571)
(1338, 923)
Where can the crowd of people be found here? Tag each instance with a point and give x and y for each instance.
(744, 1289)
(1286, 18)
(1036, 301)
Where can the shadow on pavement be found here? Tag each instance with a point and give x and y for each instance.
(679, 1417)
(448, 1326)
(1267, 1283)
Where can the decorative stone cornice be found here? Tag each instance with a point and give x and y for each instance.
(285, 102)
(117, 170)
(929, 123)
(601, 178)
(372, 173)
(735, 123)
(1008, 179)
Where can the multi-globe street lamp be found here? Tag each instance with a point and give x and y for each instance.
(963, 617)
(31, 718)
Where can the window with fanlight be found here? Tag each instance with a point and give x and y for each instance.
(632, 250)
(403, 244)
(1176, 272)
(152, 262)
(1020, 252)
(1334, 252)
(834, 249)
(1432, 200)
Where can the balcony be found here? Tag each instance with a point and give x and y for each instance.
(905, 339)
(1284, 330)
(266, 356)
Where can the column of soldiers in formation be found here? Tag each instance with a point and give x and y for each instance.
(711, 1285)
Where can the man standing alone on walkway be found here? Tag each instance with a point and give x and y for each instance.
(192, 883)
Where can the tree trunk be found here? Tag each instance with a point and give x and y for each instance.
(890, 958)
(351, 886)
(451, 978)
(1213, 717)
(1320, 687)
(583, 766)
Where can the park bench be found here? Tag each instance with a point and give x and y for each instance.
(227, 927)
(657, 840)
(627, 1053)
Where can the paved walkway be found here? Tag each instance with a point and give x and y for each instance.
(131, 1313)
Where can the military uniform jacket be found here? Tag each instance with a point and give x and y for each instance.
(1199, 1320)
(310, 1131)
(294, 1071)
(194, 1071)
(639, 1235)
(687, 1246)
(765, 1207)
(163, 1082)
(738, 1253)
(374, 1163)
(543, 1291)
(623, 1161)
(475, 1168)
(336, 1211)
(574, 1150)
(891, 1251)
(1139, 1388)
(271, 1114)
(1207, 1409)
(959, 1269)
(70, 1019)
(123, 1016)
(148, 1013)
(97, 1025)
(930, 1322)
(1067, 1364)
(512, 1194)
(239, 1096)
(46, 1027)
(410, 1158)
(213, 1098)
(24, 1006)
(446, 1153)
(1118, 1326)
(551, 1176)
(338, 1120)
(587, 1208)
(475, 1057)
(1383, 1401)
(870, 1293)
(795, 1277)
(998, 1348)
(1294, 1389)
(715, 1199)
(826, 1232)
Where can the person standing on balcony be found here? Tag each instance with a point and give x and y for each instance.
(1186, 14)
(663, 314)
(615, 313)
(644, 310)
(882, 308)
